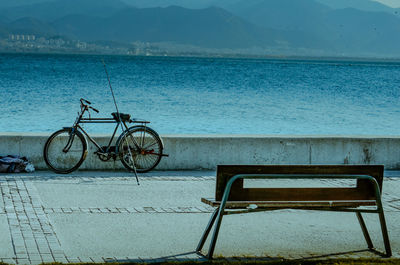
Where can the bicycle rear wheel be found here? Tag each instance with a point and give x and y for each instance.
(65, 151)
(140, 147)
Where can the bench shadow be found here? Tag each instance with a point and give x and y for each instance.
(199, 257)
(186, 256)
(346, 253)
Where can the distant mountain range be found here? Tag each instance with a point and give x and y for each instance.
(52, 10)
(314, 25)
(210, 27)
(309, 27)
(364, 5)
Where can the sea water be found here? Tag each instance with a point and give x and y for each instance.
(183, 95)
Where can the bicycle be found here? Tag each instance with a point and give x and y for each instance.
(139, 147)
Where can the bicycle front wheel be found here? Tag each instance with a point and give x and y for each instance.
(65, 151)
(140, 148)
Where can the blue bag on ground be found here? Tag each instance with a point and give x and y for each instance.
(15, 164)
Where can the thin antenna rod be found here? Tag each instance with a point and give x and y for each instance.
(119, 117)
(109, 82)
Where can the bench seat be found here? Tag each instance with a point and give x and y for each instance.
(289, 204)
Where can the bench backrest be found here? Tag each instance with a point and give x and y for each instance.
(363, 190)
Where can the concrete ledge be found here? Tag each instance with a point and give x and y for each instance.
(187, 152)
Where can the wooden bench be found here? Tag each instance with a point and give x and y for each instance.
(231, 197)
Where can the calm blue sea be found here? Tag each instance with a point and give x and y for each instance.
(40, 93)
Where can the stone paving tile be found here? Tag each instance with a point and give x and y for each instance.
(113, 210)
(31, 233)
(33, 237)
(131, 260)
(110, 259)
(140, 209)
(94, 210)
(61, 259)
(98, 179)
(131, 210)
(23, 261)
(159, 210)
(122, 210)
(96, 259)
(85, 259)
(73, 259)
(104, 210)
(8, 261)
(149, 209)
(152, 260)
(145, 209)
(66, 210)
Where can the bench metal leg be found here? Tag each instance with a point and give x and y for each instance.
(364, 230)
(216, 231)
(382, 220)
(207, 231)
(384, 231)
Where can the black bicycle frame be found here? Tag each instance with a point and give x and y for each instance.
(99, 120)
(80, 119)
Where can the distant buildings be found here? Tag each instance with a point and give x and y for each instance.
(34, 43)
(21, 37)
(29, 43)
(59, 44)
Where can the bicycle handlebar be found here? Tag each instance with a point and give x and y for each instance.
(84, 100)
(86, 107)
(96, 110)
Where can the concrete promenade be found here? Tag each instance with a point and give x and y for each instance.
(105, 216)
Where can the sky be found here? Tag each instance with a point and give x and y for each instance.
(391, 3)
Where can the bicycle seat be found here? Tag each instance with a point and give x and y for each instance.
(124, 117)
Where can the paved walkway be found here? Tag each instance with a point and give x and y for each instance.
(106, 216)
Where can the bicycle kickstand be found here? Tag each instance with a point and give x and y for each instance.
(134, 171)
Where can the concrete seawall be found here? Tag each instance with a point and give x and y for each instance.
(207, 151)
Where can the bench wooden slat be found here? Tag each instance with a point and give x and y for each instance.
(365, 190)
(301, 194)
(290, 204)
